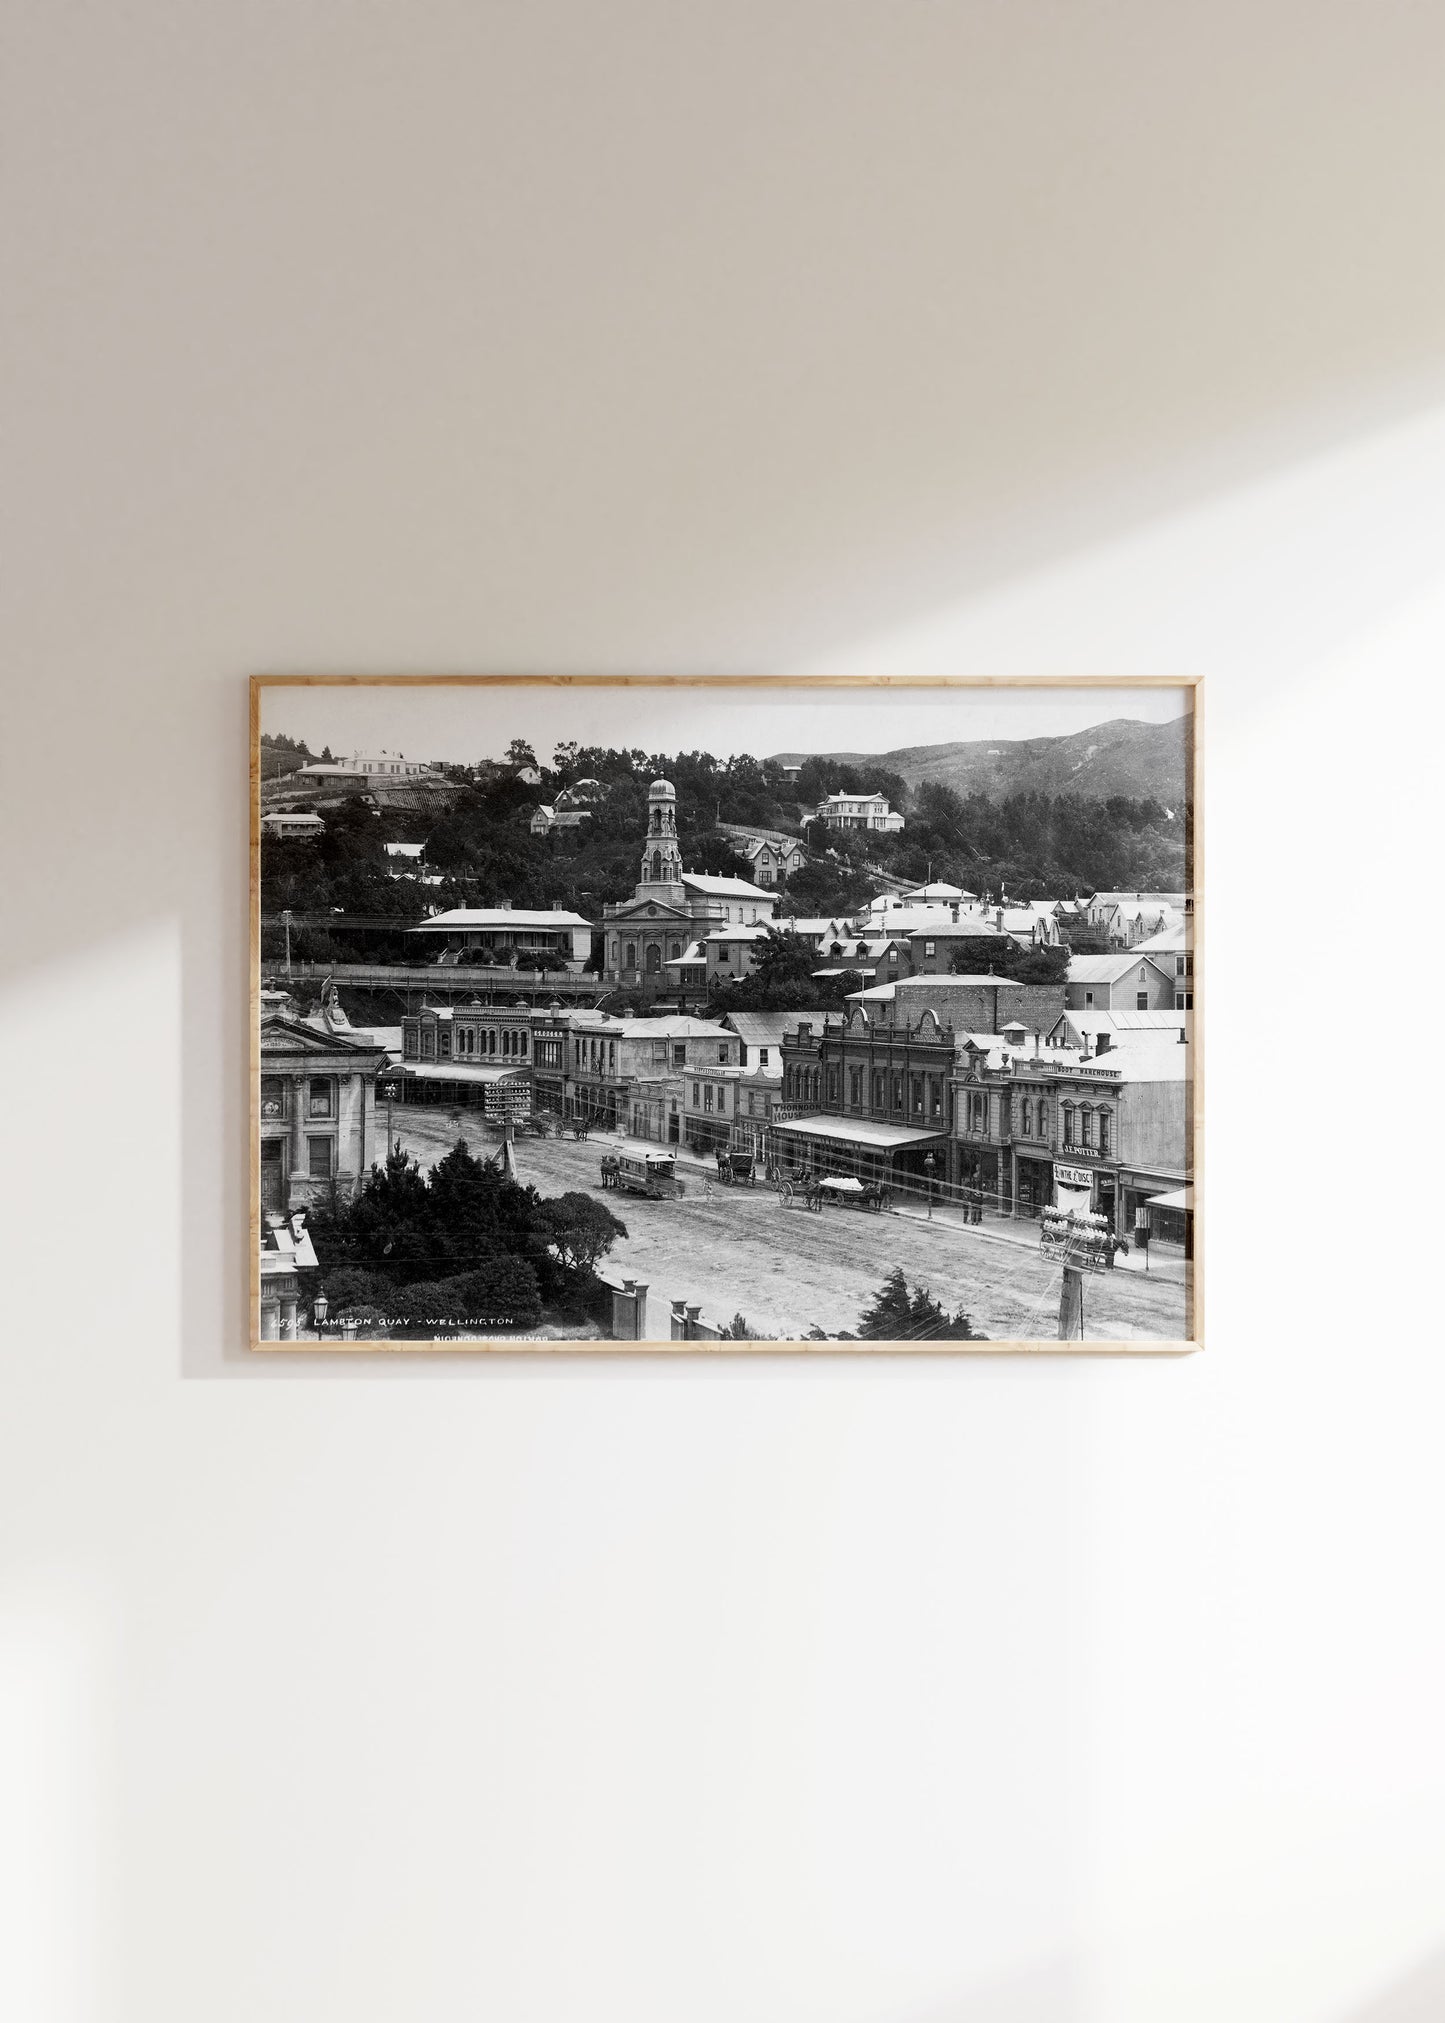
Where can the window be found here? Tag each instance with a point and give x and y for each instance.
(428, 1043)
(1179, 965)
(674, 951)
(707, 1095)
(273, 1096)
(1088, 997)
(696, 1096)
(318, 1158)
(928, 948)
(1104, 1117)
(679, 1055)
(762, 1057)
(855, 1088)
(1141, 1000)
(1068, 1116)
(612, 1057)
(1086, 1126)
(444, 1042)
(1183, 1000)
(722, 1055)
(631, 962)
(1025, 1117)
(523, 1038)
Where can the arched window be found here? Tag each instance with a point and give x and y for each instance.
(674, 950)
(657, 866)
(611, 1057)
(1068, 1114)
(632, 955)
(654, 958)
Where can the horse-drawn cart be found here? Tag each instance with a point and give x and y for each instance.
(736, 1169)
(812, 1190)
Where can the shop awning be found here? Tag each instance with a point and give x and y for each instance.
(454, 1071)
(1180, 1200)
(858, 1131)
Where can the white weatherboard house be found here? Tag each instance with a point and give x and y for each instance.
(536, 940)
(858, 811)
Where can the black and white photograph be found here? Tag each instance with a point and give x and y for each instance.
(670, 1013)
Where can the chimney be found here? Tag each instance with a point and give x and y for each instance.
(1183, 1037)
(1084, 1047)
(1038, 1042)
(1105, 1041)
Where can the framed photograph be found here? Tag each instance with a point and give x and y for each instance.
(596, 1014)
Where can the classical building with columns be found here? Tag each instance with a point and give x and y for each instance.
(672, 908)
(318, 1112)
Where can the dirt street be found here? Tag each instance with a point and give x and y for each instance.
(787, 1270)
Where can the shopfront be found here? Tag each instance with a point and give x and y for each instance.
(1033, 1182)
(1155, 1208)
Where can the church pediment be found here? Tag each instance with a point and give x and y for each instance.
(648, 913)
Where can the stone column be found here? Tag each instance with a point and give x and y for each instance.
(298, 1131)
(288, 1318)
(679, 1321)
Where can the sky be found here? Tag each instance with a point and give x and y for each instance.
(463, 724)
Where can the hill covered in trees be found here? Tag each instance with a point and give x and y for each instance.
(1027, 844)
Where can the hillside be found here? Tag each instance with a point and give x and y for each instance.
(1121, 757)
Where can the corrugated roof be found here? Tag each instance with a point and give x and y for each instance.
(1092, 1021)
(725, 888)
(495, 916)
(1104, 968)
(766, 1029)
(859, 1131)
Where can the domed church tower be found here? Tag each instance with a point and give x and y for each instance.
(661, 860)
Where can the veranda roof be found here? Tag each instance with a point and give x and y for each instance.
(859, 1131)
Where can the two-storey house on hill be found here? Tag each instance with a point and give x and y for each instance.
(1119, 982)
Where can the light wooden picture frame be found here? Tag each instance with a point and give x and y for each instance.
(836, 1042)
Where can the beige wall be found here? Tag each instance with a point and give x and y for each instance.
(944, 338)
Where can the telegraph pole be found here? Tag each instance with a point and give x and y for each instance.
(1081, 1241)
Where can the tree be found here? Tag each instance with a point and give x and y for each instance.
(520, 753)
(580, 1229)
(900, 1316)
(888, 1317)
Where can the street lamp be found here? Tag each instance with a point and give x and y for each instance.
(319, 1311)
